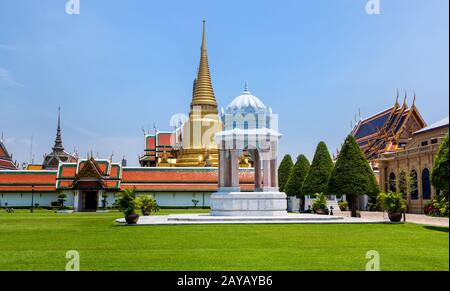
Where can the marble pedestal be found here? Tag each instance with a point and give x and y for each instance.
(249, 204)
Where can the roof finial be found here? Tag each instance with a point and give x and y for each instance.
(406, 97)
(246, 89)
(204, 36)
(58, 140)
(203, 89)
(414, 100)
(59, 117)
(398, 96)
(1, 139)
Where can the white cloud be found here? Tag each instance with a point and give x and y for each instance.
(6, 79)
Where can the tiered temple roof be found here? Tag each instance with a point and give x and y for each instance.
(6, 162)
(103, 174)
(58, 155)
(388, 130)
(158, 146)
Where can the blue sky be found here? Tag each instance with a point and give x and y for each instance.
(122, 65)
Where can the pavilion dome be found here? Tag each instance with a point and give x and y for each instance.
(246, 103)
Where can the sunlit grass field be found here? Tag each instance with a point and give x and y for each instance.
(39, 241)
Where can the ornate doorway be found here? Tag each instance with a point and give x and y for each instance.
(89, 200)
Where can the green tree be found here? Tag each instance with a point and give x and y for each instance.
(284, 170)
(319, 173)
(295, 181)
(440, 173)
(352, 175)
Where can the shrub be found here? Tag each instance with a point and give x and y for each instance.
(104, 201)
(320, 171)
(147, 204)
(297, 176)
(352, 175)
(343, 205)
(392, 202)
(284, 170)
(440, 173)
(61, 200)
(127, 201)
(374, 204)
(320, 202)
(438, 207)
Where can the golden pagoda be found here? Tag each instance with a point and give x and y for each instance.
(198, 148)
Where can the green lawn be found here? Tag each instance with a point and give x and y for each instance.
(40, 241)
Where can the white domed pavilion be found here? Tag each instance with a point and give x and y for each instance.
(248, 126)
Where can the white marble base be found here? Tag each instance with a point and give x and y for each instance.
(206, 219)
(248, 204)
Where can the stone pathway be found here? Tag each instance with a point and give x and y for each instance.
(411, 218)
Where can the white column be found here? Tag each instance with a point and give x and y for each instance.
(222, 168)
(274, 173)
(257, 165)
(234, 164)
(266, 175)
(76, 200)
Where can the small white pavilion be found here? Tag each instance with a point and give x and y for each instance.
(248, 126)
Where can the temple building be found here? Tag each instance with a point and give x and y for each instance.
(177, 168)
(408, 170)
(401, 149)
(6, 161)
(191, 145)
(389, 130)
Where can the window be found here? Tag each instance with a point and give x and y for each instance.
(414, 185)
(424, 143)
(392, 183)
(426, 185)
(402, 184)
(434, 141)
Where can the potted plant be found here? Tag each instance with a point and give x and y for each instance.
(127, 204)
(393, 204)
(320, 204)
(343, 205)
(195, 202)
(147, 204)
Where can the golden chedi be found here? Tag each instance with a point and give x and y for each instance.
(198, 146)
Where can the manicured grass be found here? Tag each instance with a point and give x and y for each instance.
(40, 241)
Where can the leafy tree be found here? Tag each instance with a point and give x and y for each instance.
(295, 181)
(440, 173)
(352, 175)
(284, 170)
(61, 200)
(319, 173)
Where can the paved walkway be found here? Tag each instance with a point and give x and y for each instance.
(189, 219)
(412, 218)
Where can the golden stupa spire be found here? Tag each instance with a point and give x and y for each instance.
(203, 90)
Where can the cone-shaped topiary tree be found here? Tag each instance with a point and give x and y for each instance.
(297, 177)
(319, 173)
(284, 170)
(352, 174)
(440, 173)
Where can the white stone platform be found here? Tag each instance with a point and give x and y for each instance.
(244, 204)
(192, 219)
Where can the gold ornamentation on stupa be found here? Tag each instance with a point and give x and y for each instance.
(204, 123)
